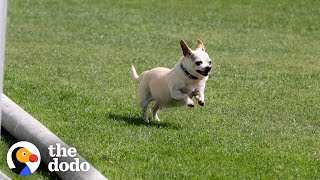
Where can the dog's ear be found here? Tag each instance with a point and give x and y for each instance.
(185, 49)
(200, 45)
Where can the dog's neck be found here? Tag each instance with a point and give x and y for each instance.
(187, 72)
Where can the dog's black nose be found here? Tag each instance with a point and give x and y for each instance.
(208, 68)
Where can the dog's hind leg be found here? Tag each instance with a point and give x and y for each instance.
(145, 99)
(144, 106)
(156, 108)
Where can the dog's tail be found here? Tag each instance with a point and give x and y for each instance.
(134, 75)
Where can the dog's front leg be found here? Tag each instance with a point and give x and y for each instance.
(178, 95)
(200, 97)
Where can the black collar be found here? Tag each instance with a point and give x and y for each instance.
(187, 73)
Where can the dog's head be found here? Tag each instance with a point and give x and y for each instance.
(197, 62)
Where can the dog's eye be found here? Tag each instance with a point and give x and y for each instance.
(210, 62)
(198, 63)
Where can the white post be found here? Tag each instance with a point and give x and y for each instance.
(3, 21)
(24, 127)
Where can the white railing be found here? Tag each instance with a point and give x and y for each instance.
(3, 21)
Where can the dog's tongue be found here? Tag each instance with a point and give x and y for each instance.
(204, 73)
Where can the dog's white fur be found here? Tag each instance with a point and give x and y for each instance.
(173, 87)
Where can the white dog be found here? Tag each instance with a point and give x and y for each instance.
(170, 87)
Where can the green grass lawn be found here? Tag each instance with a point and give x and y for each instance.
(67, 64)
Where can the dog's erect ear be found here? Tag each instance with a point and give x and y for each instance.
(185, 49)
(200, 45)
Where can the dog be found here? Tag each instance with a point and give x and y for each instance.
(174, 87)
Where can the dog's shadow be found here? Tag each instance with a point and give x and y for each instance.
(137, 121)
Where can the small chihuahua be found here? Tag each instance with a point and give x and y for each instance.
(173, 87)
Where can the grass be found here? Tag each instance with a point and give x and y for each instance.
(67, 64)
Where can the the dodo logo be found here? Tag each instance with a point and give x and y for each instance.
(23, 158)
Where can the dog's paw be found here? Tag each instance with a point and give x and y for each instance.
(201, 103)
(146, 120)
(191, 104)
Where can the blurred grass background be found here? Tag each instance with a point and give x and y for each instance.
(67, 64)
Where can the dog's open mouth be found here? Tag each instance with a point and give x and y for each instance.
(203, 73)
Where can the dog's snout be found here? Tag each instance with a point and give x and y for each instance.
(208, 68)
